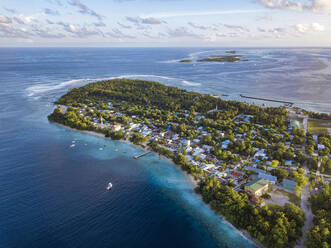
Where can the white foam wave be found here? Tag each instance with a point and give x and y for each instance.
(190, 83)
(38, 90)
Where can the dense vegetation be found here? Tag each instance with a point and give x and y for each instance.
(273, 226)
(319, 236)
(222, 58)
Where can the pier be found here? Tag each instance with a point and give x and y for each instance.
(141, 155)
(290, 104)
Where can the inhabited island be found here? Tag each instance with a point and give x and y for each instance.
(250, 162)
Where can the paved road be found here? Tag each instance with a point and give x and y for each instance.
(305, 206)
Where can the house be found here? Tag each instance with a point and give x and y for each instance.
(254, 169)
(320, 146)
(207, 166)
(257, 187)
(315, 138)
(288, 163)
(221, 174)
(235, 174)
(289, 184)
(225, 144)
(269, 178)
(116, 127)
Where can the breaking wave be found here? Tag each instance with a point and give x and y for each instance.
(40, 89)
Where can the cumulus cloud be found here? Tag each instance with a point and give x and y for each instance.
(319, 6)
(313, 27)
(277, 30)
(237, 28)
(197, 26)
(182, 32)
(8, 31)
(18, 20)
(152, 21)
(45, 33)
(118, 34)
(124, 26)
(148, 20)
(5, 19)
(79, 31)
(83, 9)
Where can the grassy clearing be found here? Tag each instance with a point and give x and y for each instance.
(319, 126)
(300, 120)
(291, 196)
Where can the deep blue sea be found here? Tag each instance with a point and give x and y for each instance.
(52, 195)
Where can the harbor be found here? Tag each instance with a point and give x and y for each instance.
(288, 104)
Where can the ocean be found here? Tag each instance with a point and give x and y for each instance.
(54, 195)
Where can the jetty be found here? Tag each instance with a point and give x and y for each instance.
(141, 155)
(290, 104)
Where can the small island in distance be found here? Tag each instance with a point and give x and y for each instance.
(218, 58)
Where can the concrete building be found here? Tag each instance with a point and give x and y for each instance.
(257, 187)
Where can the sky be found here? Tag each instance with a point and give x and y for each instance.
(156, 23)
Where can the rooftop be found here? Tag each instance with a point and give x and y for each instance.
(257, 184)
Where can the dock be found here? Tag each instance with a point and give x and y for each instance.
(269, 100)
(141, 155)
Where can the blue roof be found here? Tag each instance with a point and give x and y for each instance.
(225, 142)
(289, 182)
(254, 169)
(267, 177)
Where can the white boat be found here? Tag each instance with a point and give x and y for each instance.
(73, 145)
(109, 186)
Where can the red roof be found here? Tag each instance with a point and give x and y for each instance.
(236, 173)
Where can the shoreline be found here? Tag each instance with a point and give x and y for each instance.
(189, 177)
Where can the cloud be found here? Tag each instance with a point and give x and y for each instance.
(182, 32)
(5, 19)
(48, 11)
(194, 25)
(83, 9)
(148, 20)
(22, 19)
(313, 27)
(8, 31)
(318, 6)
(18, 20)
(78, 30)
(100, 24)
(56, 2)
(45, 33)
(50, 22)
(152, 21)
(236, 27)
(135, 20)
(13, 11)
(118, 34)
(124, 26)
